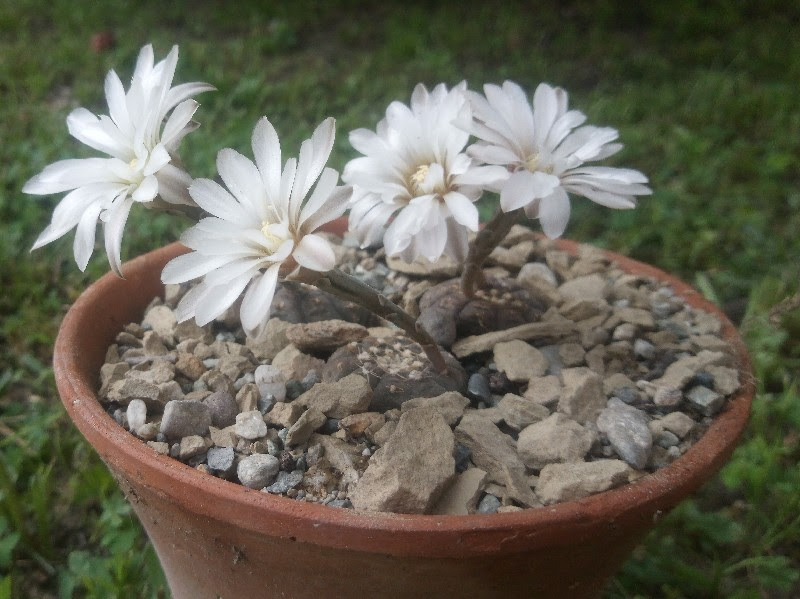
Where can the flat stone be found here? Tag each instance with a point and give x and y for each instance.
(247, 397)
(285, 481)
(161, 319)
(593, 287)
(582, 395)
(519, 412)
(533, 331)
(324, 335)
(450, 405)
(535, 273)
(445, 267)
(495, 452)
(520, 361)
(707, 401)
(221, 459)
(349, 395)
(270, 380)
(136, 414)
(309, 421)
(132, 388)
(461, 497)
(557, 438)
(250, 425)
(515, 256)
(544, 390)
(258, 470)
(191, 446)
(675, 422)
(570, 481)
(159, 447)
(411, 471)
(636, 316)
(285, 414)
(183, 418)
(222, 407)
(628, 432)
(489, 504)
(571, 354)
(110, 374)
(272, 340)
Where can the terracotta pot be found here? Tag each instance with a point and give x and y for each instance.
(218, 539)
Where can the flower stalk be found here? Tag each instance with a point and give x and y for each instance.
(487, 239)
(351, 289)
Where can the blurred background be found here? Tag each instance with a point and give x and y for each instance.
(705, 95)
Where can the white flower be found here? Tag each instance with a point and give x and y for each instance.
(545, 153)
(140, 165)
(259, 228)
(414, 165)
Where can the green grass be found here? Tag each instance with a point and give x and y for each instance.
(705, 97)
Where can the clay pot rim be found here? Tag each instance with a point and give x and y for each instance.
(392, 534)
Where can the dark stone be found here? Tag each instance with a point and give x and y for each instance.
(331, 426)
(627, 394)
(297, 303)
(285, 481)
(462, 455)
(294, 389)
(702, 378)
(287, 461)
(222, 408)
(478, 388)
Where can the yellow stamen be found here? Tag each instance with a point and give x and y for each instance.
(418, 177)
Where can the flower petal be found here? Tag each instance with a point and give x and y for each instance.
(314, 252)
(524, 186)
(218, 299)
(462, 209)
(215, 200)
(258, 299)
(554, 213)
(267, 152)
(190, 266)
(83, 244)
(113, 228)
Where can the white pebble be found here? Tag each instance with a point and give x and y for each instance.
(136, 414)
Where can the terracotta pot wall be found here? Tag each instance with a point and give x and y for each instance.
(219, 539)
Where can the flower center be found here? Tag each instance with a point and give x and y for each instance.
(418, 178)
(273, 241)
(534, 163)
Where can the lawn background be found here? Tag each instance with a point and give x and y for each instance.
(705, 95)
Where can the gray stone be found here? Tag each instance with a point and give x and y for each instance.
(223, 437)
(519, 412)
(445, 267)
(495, 452)
(148, 431)
(285, 481)
(284, 414)
(489, 505)
(136, 414)
(450, 405)
(183, 418)
(309, 421)
(250, 425)
(624, 332)
(221, 459)
(627, 431)
(557, 438)
(636, 316)
(324, 335)
(349, 395)
(566, 482)
(258, 470)
(571, 354)
(707, 401)
(535, 273)
(411, 471)
(582, 395)
(343, 456)
(270, 381)
(644, 349)
(159, 447)
(667, 439)
(461, 497)
(222, 407)
(478, 387)
(519, 361)
(110, 374)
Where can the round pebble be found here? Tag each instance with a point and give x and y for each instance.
(258, 470)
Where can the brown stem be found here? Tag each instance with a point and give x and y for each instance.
(351, 289)
(487, 239)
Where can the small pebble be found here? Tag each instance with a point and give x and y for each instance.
(488, 505)
(136, 414)
(221, 459)
(257, 471)
(478, 388)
